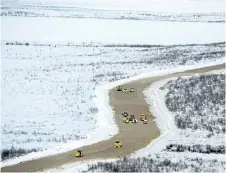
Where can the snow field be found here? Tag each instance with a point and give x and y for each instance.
(172, 6)
(34, 10)
(39, 72)
(79, 31)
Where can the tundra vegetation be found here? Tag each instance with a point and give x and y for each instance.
(57, 82)
(198, 104)
(81, 13)
(158, 164)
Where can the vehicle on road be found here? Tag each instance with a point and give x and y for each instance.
(119, 88)
(134, 120)
(125, 114)
(125, 90)
(117, 144)
(79, 153)
(132, 90)
(143, 117)
(131, 117)
(126, 120)
(145, 121)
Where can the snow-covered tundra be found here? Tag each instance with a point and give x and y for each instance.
(193, 108)
(53, 61)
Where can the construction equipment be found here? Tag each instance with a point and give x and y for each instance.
(134, 120)
(145, 121)
(131, 117)
(125, 90)
(126, 120)
(125, 114)
(143, 117)
(132, 90)
(79, 154)
(119, 88)
(117, 144)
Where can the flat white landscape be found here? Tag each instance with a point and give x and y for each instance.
(172, 6)
(58, 30)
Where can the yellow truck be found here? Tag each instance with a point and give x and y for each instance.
(79, 153)
(143, 117)
(125, 90)
(126, 120)
(117, 144)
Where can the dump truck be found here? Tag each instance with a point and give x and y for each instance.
(79, 153)
(117, 144)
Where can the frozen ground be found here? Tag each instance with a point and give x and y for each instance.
(205, 155)
(208, 91)
(44, 55)
(198, 103)
(157, 164)
(171, 6)
(79, 31)
(39, 81)
(185, 148)
(78, 12)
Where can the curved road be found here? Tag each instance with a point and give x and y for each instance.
(132, 136)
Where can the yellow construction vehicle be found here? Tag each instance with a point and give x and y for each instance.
(143, 117)
(119, 88)
(79, 154)
(117, 144)
(126, 120)
(125, 90)
(132, 90)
